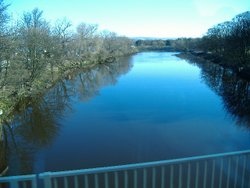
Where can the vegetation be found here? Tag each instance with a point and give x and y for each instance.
(34, 54)
(144, 45)
(35, 128)
(230, 39)
(226, 43)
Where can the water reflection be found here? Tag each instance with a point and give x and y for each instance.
(86, 84)
(142, 118)
(36, 126)
(233, 91)
(33, 129)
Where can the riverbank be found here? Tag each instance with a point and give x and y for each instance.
(241, 71)
(13, 105)
(18, 98)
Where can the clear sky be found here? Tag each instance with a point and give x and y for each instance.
(139, 18)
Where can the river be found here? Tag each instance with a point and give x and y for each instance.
(146, 107)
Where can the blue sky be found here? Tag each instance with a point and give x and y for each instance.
(139, 18)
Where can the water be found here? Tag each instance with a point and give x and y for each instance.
(150, 106)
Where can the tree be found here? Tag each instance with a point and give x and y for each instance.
(4, 18)
(63, 33)
(85, 42)
(4, 44)
(241, 36)
(230, 39)
(34, 43)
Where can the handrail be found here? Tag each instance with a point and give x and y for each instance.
(232, 168)
(22, 177)
(138, 165)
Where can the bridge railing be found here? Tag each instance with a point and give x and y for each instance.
(19, 181)
(226, 170)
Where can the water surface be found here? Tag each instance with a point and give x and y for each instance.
(150, 106)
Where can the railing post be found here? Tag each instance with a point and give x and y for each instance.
(144, 178)
(197, 175)
(34, 182)
(205, 175)
(96, 181)
(221, 173)
(244, 171)
(14, 184)
(188, 175)
(47, 180)
(86, 181)
(213, 174)
(153, 178)
(236, 172)
(126, 179)
(171, 176)
(116, 180)
(180, 176)
(162, 177)
(135, 178)
(228, 172)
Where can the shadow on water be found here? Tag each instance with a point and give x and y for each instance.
(36, 126)
(235, 92)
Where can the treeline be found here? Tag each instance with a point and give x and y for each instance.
(34, 53)
(180, 44)
(230, 39)
(144, 45)
(227, 43)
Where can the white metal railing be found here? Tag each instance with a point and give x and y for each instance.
(225, 170)
(19, 181)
